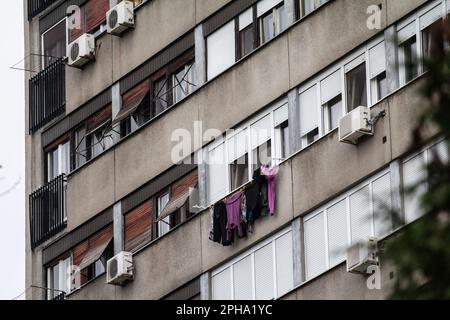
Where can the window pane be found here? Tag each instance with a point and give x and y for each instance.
(164, 225)
(217, 174)
(306, 6)
(356, 87)
(55, 281)
(239, 172)
(54, 43)
(65, 157)
(281, 16)
(334, 109)
(161, 96)
(267, 28)
(179, 85)
(247, 39)
(285, 151)
(262, 155)
(80, 147)
(99, 268)
(409, 52)
(382, 86)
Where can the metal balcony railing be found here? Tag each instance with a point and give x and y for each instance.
(48, 211)
(37, 6)
(47, 92)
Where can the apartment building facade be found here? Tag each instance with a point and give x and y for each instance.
(106, 173)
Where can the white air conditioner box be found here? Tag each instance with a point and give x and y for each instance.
(362, 255)
(354, 125)
(120, 268)
(120, 18)
(82, 50)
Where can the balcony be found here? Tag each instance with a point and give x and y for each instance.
(48, 211)
(37, 6)
(47, 95)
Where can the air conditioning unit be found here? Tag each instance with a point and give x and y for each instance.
(362, 255)
(120, 18)
(354, 125)
(120, 268)
(82, 50)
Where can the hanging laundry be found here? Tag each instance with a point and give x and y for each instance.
(270, 174)
(211, 223)
(220, 225)
(233, 207)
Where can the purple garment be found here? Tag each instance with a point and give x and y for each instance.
(270, 174)
(233, 205)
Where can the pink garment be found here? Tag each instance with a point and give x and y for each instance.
(233, 205)
(270, 174)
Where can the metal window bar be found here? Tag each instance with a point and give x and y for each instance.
(47, 95)
(35, 7)
(47, 205)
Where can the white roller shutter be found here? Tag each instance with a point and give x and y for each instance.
(243, 279)
(285, 264)
(280, 115)
(237, 145)
(245, 19)
(264, 273)
(406, 32)
(315, 254)
(265, 5)
(221, 52)
(361, 224)
(413, 173)
(331, 86)
(308, 110)
(221, 285)
(377, 60)
(431, 16)
(217, 174)
(337, 232)
(382, 206)
(261, 131)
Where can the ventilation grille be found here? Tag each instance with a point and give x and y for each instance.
(74, 51)
(113, 18)
(113, 268)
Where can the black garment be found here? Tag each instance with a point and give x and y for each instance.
(257, 197)
(220, 225)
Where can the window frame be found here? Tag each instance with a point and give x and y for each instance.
(49, 274)
(43, 40)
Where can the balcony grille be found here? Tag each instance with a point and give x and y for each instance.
(47, 95)
(47, 211)
(37, 6)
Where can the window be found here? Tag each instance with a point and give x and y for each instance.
(356, 87)
(98, 141)
(428, 23)
(309, 125)
(239, 172)
(414, 173)
(351, 218)
(80, 147)
(163, 225)
(282, 131)
(98, 267)
(246, 33)
(262, 155)
(408, 60)
(161, 95)
(378, 81)
(58, 161)
(183, 82)
(333, 113)
(237, 150)
(271, 21)
(264, 272)
(59, 278)
(54, 43)
(307, 6)
(221, 50)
